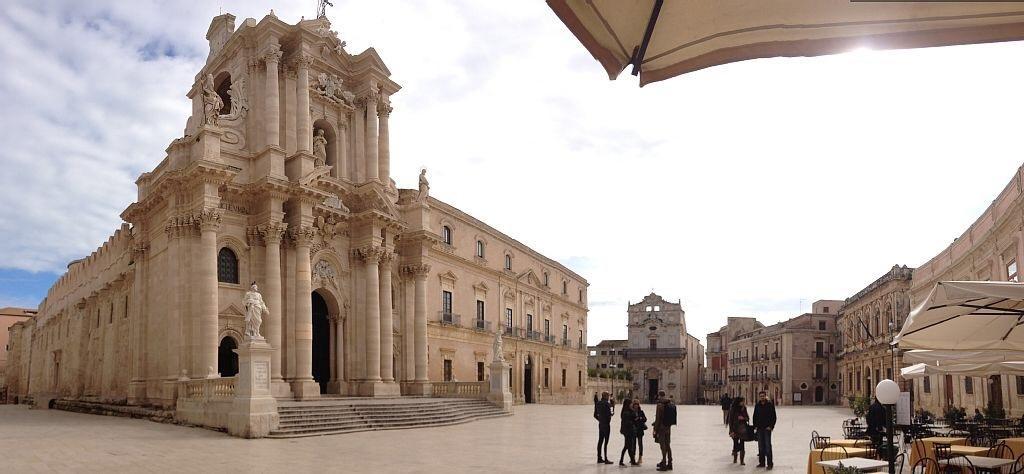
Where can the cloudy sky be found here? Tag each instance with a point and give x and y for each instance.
(749, 189)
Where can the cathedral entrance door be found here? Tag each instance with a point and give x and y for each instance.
(321, 342)
(652, 390)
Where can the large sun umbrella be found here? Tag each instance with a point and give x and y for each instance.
(969, 370)
(937, 357)
(662, 39)
(967, 315)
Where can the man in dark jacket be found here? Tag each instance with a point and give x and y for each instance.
(726, 403)
(876, 422)
(603, 415)
(764, 424)
(664, 418)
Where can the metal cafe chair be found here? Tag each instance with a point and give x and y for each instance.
(942, 451)
(958, 463)
(1018, 465)
(1000, 450)
(840, 453)
(925, 466)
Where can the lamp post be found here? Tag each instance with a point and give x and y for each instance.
(887, 392)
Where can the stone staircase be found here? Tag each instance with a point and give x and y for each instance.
(338, 416)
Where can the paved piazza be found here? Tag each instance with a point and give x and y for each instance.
(537, 438)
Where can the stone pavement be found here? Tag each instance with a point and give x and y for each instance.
(538, 438)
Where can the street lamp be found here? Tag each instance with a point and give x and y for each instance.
(887, 392)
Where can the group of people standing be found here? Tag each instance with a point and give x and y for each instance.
(633, 424)
(742, 429)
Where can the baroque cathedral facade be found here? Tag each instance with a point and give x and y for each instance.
(282, 177)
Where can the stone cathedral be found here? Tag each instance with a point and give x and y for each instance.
(282, 177)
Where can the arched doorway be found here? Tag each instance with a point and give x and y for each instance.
(321, 342)
(528, 380)
(653, 378)
(227, 359)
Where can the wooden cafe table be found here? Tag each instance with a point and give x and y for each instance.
(969, 450)
(829, 454)
(929, 446)
(853, 443)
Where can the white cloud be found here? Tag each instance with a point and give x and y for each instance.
(768, 181)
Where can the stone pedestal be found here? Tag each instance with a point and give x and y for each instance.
(254, 411)
(500, 394)
(378, 388)
(422, 389)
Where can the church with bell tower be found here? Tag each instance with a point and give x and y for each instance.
(282, 177)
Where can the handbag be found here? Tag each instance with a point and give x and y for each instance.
(748, 433)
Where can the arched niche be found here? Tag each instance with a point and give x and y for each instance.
(330, 133)
(222, 84)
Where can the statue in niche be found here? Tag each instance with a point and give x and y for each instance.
(424, 186)
(239, 101)
(212, 102)
(255, 308)
(319, 148)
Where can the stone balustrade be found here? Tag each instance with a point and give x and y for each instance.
(206, 402)
(460, 389)
(215, 389)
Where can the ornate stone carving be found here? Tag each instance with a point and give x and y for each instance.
(239, 100)
(272, 53)
(303, 235)
(212, 102)
(328, 227)
(330, 87)
(369, 253)
(498, 349)
(208, 219)
(386, 256)
(319, 148)
(272, 232)
(424, 186)
(384, 109)
(417, 270)
(323, 269)
(255, 308)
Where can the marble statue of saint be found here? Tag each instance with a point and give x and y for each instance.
(212, 102)
(499, 352)
(255, 308)
(424, 186)
(319, 148)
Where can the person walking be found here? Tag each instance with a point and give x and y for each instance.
(627, 427)
(603, 415)
(664, 418)
(764, 424)
(738, 419)
(876, 423)
(639, 427)
(726, 403)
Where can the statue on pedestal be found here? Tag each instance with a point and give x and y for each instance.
(255, 308)
(212, 102)
(319, 148)
(499, 351)
(424, 186)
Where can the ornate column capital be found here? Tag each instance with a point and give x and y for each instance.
(369, 253)
(272, 232)
(302, 61)
(386, 256)
(302, 235)
(208, 220)
(384, 109)
(271, 53)
(417, 270)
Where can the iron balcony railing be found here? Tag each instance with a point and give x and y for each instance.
(482, 325)
(567, 343)
(507, 331)
(533, 335)
(549, 338)
(739, 378)
(449, 319)
(668, 352)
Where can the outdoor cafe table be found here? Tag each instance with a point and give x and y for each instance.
(929, 447)
(852, 443)
(980, 462)
(830, 453)
(969, 450)
(863, 464)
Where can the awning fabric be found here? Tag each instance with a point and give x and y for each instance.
(687, 35)
(935, 357)
(970, 370)
(967, 315)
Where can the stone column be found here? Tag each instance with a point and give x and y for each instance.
(341, 166)
(271, 284)
(209, 224)
(339, 348)
(272, 114)
(384, 147)
(138, 321)
(387, 343)
(302, 119)
(371, 258)
(420, 384)
(303, 385)
(371, 137)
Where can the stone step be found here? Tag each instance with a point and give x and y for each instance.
(381, 421)
(298, 433)
(293, 419)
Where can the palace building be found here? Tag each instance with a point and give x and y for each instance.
(282, 177)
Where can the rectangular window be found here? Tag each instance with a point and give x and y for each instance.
(1011, 271)
(581, 296)
(547, 375)
(508, 318)
(110, 316)
(579, 378)
(858, 381)
(819, 348)
(969, 385)
(479, 313)
(547, 328)
(821, 325)
(819, 371)
(1020, 384)
(447, 370)
(888, 373)
(581, 339)
(563, 378)
(479, 371)
(927, 384)
(529, 322)
(653, 343)
(446, 302)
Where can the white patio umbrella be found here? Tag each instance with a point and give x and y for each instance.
(662, 39)
(937, 357)
(971, 370)
(967, 315)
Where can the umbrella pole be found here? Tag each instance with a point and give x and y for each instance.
(640, 51)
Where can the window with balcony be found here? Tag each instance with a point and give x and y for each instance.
(821, 325)
(446, 304)
(479, 314)
(508, 318)
(819, 348)
(565, 332)
(581, 338)
(547, 377)
(819, 371)
(547, 327)
(529, 322)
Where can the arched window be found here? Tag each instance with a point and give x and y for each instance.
(480, 248)
(227, 359)
(508, 262)
(227, 266)
(446, 234)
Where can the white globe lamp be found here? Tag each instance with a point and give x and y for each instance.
(887, 392)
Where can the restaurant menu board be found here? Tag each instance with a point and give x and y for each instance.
(903, 413)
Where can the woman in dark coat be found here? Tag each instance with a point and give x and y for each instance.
(738, 426)
(628, 430)
(640, 427)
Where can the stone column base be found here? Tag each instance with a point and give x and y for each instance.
(337, 386)
(499, 393)
(305, 389)
(420, 389)
(280, 389)
(379, 389)
(137, 392)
